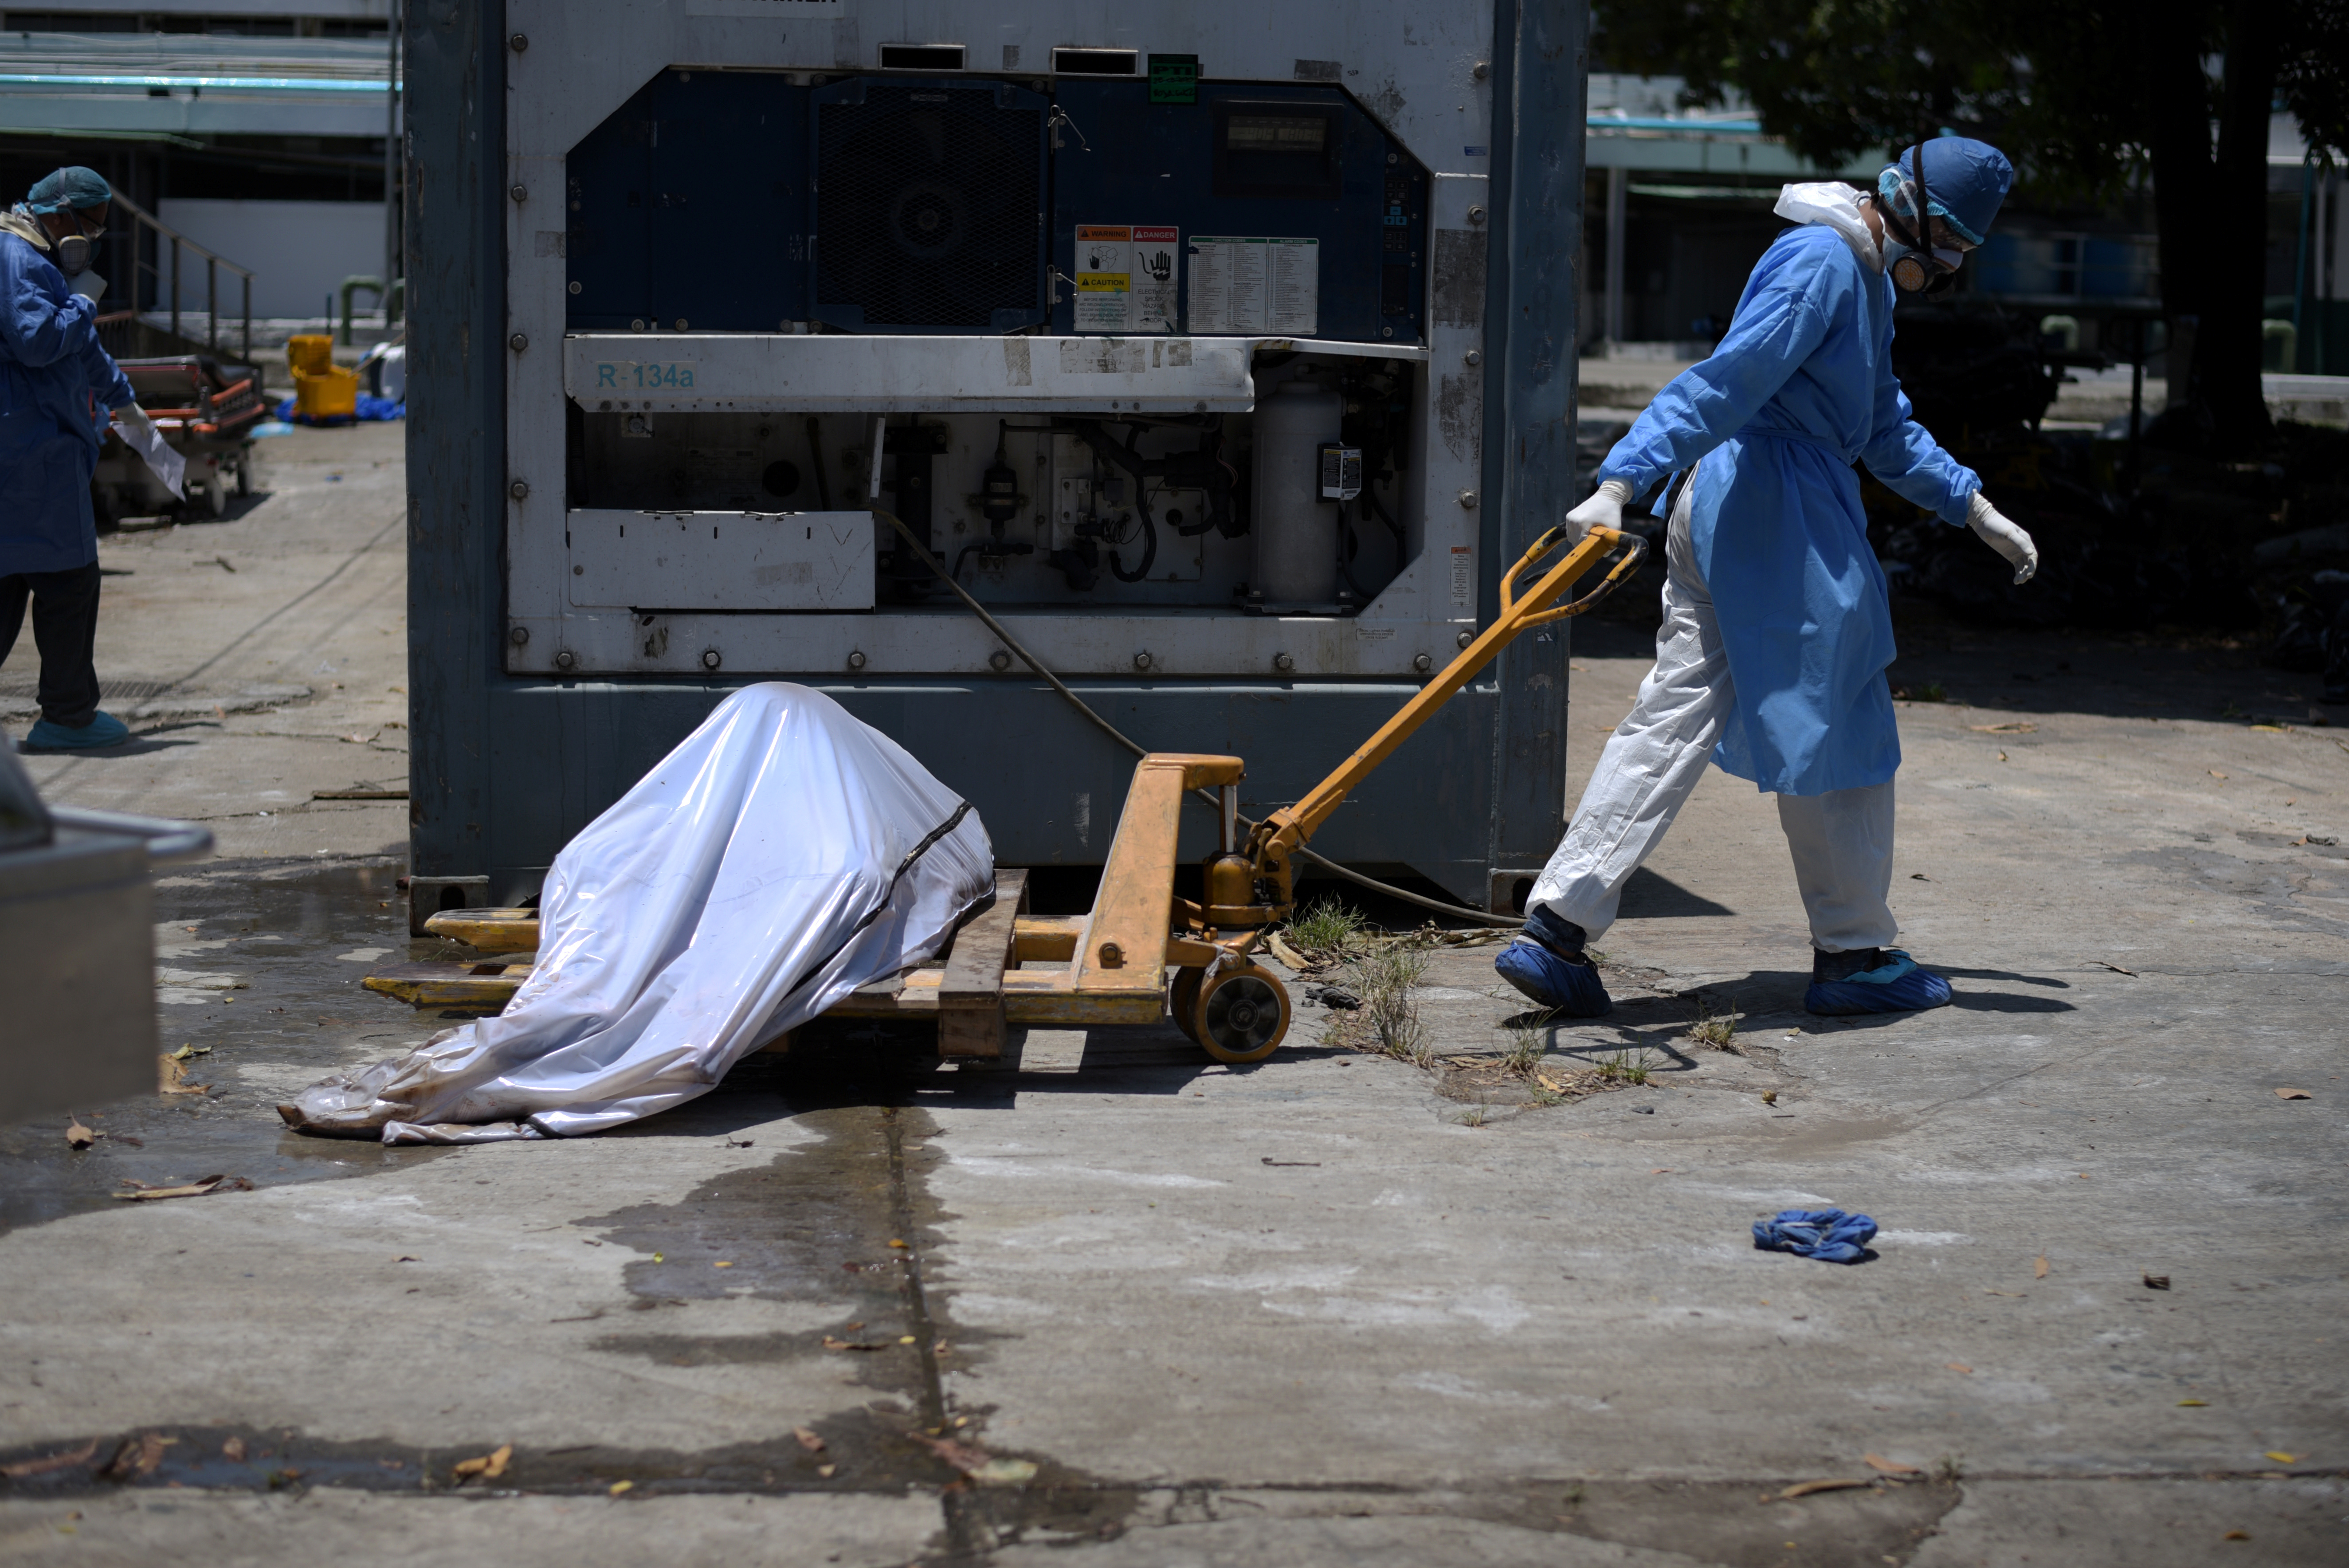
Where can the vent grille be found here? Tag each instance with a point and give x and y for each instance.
(927, 197)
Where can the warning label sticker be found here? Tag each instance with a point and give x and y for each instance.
(1126, 277)
(1251, 285)
(1464, 577)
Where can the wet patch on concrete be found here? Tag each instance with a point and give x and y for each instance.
(295, 1014)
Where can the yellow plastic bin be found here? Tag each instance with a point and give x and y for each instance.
(331, 393)
(310, 352)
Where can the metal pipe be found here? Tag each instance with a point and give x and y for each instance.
(391, 181)
(1618, 194)
(1231, 804)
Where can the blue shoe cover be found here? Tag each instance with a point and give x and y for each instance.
(1895, 987)
(104, 729)
(1554, 982)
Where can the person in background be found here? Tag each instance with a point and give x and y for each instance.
(1777, 624)
(57, 389)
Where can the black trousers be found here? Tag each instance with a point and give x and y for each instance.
(64, 628)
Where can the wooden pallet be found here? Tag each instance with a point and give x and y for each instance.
(976, 989)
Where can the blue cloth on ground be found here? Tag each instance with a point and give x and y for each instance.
(369, 408)
(56, 386)
(1895, 986)
(1802, 385)
(1830, 1236)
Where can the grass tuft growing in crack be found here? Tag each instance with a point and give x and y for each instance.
(1385, 979)
(1625, 1067)
(1716, 1031)
(1328, 930)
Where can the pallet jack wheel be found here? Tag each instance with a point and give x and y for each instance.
(1241, 1016)
(1182, 1001)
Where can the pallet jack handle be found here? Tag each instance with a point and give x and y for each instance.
(1286, 830)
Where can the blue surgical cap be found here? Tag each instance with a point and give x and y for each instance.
(76, 188)
(1965, 181)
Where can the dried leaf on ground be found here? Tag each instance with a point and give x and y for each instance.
(77, 1135)
(832, 1344)
(2157, 1282)
(140, 1190)
(961, 1456)
(2282, 1457)
(2291, 1094)
(137, 1457)
(1959, 1366)
(81, 1455)
(1805, 1489)
(2216, 774)
(617, 1487)
(2193, 1404)
(189, 1052)
(233, 1450)
(1286, 953)
(808, 1440)
(1005, 1472)
(171, 1077)
(2114, 967)
(489, 1467)
(1889, 1467)
(827, 1472)
(2039, 1266)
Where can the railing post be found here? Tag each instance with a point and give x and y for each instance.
(175, 285)
(248, 321)
(211, 302)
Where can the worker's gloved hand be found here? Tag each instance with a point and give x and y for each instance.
(130, 415)
(1603, 510)
(2004, 537)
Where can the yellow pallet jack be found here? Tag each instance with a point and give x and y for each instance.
(1111, 966)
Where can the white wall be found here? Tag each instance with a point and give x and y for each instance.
(299, 252)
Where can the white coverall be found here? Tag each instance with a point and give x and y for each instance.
(1842, 840)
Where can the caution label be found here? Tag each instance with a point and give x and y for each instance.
(1126, 278)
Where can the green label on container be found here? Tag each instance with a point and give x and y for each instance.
(1174, 79)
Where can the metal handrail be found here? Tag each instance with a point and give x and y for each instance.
(213, 262)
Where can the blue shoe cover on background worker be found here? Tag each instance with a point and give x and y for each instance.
(1881, 980)
(1548, 964)
(1779, 678)
(103, 729)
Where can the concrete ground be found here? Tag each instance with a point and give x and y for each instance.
(1335, 1308)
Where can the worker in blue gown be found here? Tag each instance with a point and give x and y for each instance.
(58, 392)
(1777, 627)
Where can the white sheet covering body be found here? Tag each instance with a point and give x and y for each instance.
(784, 854)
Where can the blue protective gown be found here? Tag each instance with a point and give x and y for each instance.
(55, 386)
(1801, 387)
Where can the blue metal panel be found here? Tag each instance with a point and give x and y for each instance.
(690, 205)
(1126, 161)
(1047, 784)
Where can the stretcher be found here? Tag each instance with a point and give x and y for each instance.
(1142, 952)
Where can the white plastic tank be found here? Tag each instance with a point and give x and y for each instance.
(1296, 531)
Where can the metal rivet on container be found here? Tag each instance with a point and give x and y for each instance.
(519, 635)
(518, 191)
(998, 660)
(1473, 356)
(579, 571)
(518, 342)
(1468, 499)
(856, 659)
(1481, 69)
(574, 285)
(1142, 660)
(519, 489)
(710, 659)
(518, 43)
(1476, 214)
(637, 325)
(1386, 332)
(1423, 663)
(680, 324)
(565, 659)
(1284, 660)
(1465, 638)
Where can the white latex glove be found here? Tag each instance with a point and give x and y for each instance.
(2004, 537)
(1603, 510)
(132, 416)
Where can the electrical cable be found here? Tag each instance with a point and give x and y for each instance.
(1207, 798)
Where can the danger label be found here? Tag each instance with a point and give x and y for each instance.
(1126, 277)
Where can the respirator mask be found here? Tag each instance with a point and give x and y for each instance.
(74, 255)
(1915, 266)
